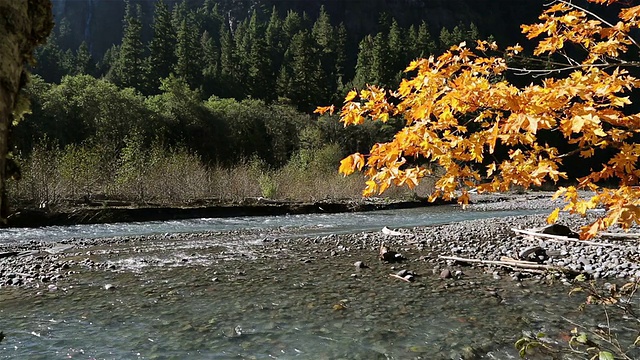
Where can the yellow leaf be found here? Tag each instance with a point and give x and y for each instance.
(553, 217)
(346, 166)
(384, 117)
(490, 169)
(370, 189)
(350, 96)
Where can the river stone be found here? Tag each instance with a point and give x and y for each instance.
(360, 265)
(109, 287)
(446, 274)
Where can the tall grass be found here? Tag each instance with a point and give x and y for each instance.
(155, 174)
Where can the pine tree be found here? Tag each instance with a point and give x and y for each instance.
(397, 58)
(188, 52)
(324, 37)
(424, 43)
(179, 13)
(128, 69)
(446, 39)
(227, 63)
(49, 61)
(274, 44)
(291, 25)
(299, 79)
(341, 57)
(380, 62)
(258, 61)
(83, 61)
(242, 48)
(110, 57)
(162, 57)
(364, 63)
(210, 64)
(210, 18)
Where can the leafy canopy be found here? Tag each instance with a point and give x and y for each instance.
(459, 109)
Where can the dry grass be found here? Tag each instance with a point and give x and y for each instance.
(176, 177)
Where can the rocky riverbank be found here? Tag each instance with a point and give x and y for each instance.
(46, 264)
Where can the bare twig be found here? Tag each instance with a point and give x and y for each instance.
(571, 4)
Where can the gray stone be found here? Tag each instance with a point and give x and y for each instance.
(446, 274)
(360, 265)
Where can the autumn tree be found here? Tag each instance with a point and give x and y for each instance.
(460, 108)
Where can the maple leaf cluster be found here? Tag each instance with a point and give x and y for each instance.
(459, 108)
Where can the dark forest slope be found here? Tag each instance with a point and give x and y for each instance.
(99, 22)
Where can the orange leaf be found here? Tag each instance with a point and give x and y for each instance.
(323, 109)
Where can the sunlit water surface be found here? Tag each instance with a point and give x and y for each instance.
(312, 223)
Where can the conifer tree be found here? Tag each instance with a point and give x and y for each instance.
(210, 64)
(341, 56)
(291, 25)
(364, 62)
(258, 61)
(324, 36)
(397, 58)
(380, 61)
(188, 52)
(227, 63)
(49, 61)
(162, 47)
(274, 43)
(424, 43)
(83, 61)
(242, 48)
(299, 79)
(128, 69)
(210, 18)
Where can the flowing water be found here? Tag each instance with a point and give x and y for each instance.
(310, 223)
(184, 299)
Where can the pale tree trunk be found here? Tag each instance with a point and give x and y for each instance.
(24, 24)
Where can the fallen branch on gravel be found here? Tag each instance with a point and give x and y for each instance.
(514, 264)
(559, 238)
(620, 236)
(399, 277)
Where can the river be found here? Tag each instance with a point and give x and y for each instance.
(230, 296)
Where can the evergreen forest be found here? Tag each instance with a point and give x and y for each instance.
(200, 105)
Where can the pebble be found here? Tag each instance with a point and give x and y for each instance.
(360, 265)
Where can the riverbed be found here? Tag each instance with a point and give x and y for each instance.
(307, 291)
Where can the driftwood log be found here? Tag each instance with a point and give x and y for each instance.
(519, 265)
(559, 238)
